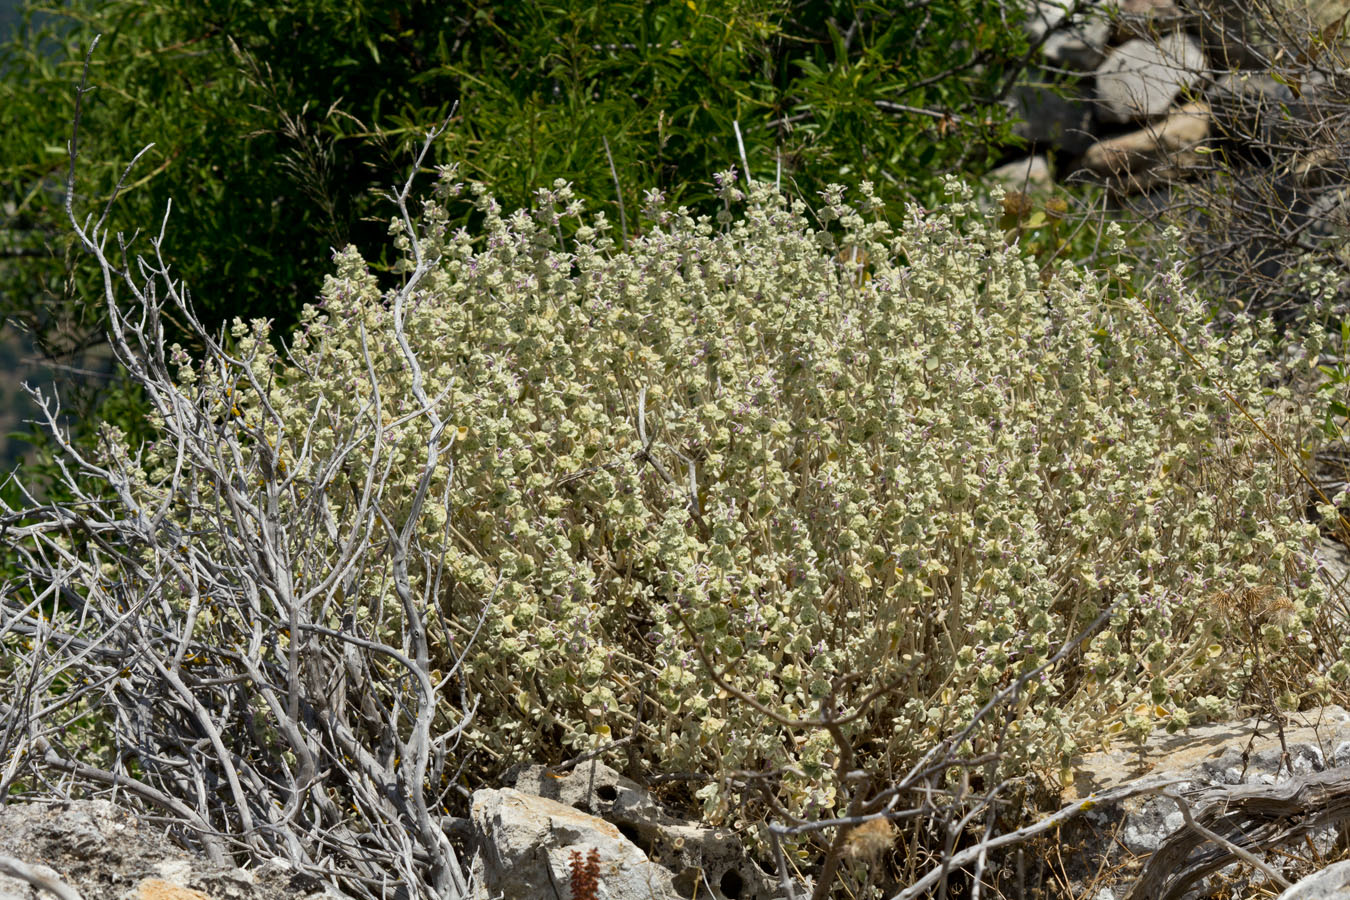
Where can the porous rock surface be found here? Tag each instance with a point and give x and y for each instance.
(102, 853)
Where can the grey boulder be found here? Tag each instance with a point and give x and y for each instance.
(527, 847)
(1140, 79)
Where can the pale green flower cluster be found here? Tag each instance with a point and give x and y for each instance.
(873, 453)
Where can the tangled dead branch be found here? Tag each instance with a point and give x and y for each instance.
(266, 719)
(1229, 823)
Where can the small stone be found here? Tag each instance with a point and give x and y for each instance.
(155, 889)
(1023, 174)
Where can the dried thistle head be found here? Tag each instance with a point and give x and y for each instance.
(866, 842)
(1017, 205)
(1255, 606)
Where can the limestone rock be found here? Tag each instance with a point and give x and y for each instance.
(1237, 34)
(1140, 79)
(1332, 883)
(1152, 155)
(1333, 561)
(15, 874)
(1319, 168)
(1248, 105)
(1212, 754)
(707, 862)
(102, 853)
(1329, 216)
(525, 845)
(1045, 16)
(1080, 43)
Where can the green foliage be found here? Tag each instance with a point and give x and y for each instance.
(735, 445)
(275, 124)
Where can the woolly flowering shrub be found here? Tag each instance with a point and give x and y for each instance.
(822, 452)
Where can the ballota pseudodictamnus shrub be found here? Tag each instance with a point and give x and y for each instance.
(701, 489)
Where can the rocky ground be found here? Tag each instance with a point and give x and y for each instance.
(98, 851)
(1168, 819)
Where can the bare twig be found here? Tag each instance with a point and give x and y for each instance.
(618, 192)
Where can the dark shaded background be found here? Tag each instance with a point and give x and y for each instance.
(9, 17)
(17, 363)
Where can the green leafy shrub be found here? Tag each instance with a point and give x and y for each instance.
(826, 459)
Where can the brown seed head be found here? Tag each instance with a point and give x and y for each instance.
(869, 840)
